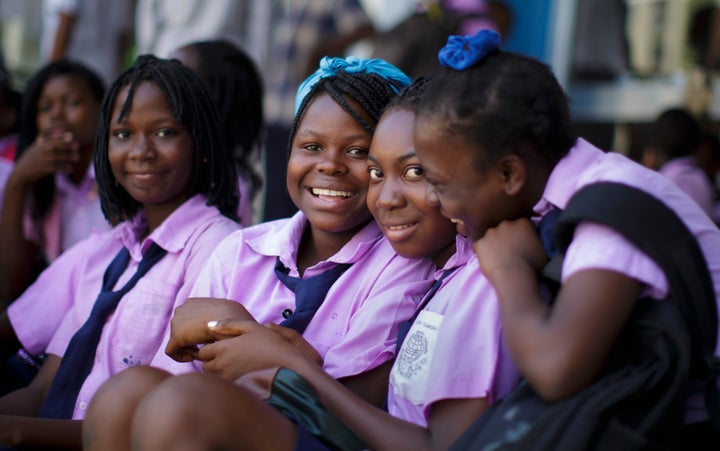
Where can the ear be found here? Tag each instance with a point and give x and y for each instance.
(513, 174)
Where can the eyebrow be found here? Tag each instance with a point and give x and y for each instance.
(403, 157)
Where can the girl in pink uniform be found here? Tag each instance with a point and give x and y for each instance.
(493, 133)
(165, 177)
(435, 391)
(51, 198)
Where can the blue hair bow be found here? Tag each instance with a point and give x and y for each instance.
(461, 52)
(351, 64)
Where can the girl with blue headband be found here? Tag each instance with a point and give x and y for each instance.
(429, 402)
(262, 272)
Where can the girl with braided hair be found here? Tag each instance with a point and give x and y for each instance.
(352, 335)
(167, 180)
(430, 401)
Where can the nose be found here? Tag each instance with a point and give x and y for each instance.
(390, 195)
(432, 197)
(142, 148)
(332, 163)
(57, 111)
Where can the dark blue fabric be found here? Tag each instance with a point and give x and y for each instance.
(545, 230)
(405, 326)
(80, 353)
(309, 293)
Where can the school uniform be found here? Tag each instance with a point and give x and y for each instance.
(356, 326)
(454, 349)
(692, 180)
(132, 335)
(74, 214)
(599, 247)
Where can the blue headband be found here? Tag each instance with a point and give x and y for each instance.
(461, 52)
(352, 65)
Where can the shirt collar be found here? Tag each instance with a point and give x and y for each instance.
(174, 232)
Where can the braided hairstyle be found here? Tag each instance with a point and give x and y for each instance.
(502, 98)
(409, 97)
(371, 91)
(235, 85)
(43, 191)
(214, 175)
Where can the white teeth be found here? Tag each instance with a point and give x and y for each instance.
(456, 221)
(329, 192)
(400, 227)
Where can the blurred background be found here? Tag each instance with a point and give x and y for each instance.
(622, 62)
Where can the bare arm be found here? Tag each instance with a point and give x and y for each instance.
(66, 23)
(448, 419)
(559, 349)
(43, 158)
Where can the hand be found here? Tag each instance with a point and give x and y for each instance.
(296, 339)
(512, 244)
(258, 382)
(253, 347)
(189, 325)
(58, 152)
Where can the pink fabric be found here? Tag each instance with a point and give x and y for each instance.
(598, 247)
(457, 352)
(73, 216)
(692, 181)
(134, 332)
(245, 211)
(355, 329)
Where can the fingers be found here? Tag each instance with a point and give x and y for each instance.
(222, 329)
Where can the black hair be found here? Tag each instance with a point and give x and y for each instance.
(43, 191)
(371, 91)
(675, 133)
(214, 174)
(502, 98)
(409, 97)
(235, 85)
(11, 98)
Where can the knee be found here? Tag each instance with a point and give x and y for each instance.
(110, 412)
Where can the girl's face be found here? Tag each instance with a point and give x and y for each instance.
(150, 153)
(327, 176)
(396, 197)
(474, 200)
(67, 105)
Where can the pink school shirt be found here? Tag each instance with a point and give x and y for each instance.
(134, 332)
(454, 349)
(73, 216)
(356, 327)
(598, 247)
(692, 180)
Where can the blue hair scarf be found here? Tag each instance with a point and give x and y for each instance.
(462, 52)
(351, 64)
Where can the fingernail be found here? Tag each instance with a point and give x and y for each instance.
(212, 324)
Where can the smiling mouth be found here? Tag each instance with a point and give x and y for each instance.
(397, 228)
(331, 193)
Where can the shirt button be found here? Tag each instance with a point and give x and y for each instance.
(83, 405)
(287, 313)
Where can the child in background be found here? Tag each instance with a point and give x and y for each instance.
(236, 87)
(50, 200)
(165, 176)
(429, 403)
(493, 134)
(354, 330)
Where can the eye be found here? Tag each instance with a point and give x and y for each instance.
(415, 173)
(312, 147)
(121, 134)
(44, 107)
(165, 132)
(358, 152)
(375, 174)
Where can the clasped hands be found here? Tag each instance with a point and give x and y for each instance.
(230, 342)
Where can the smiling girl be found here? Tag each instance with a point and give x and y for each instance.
(166, 178)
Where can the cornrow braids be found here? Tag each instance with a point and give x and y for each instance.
(502, 98)
(371, 91)
(42, 192)
(214, 175)
(409, 97)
